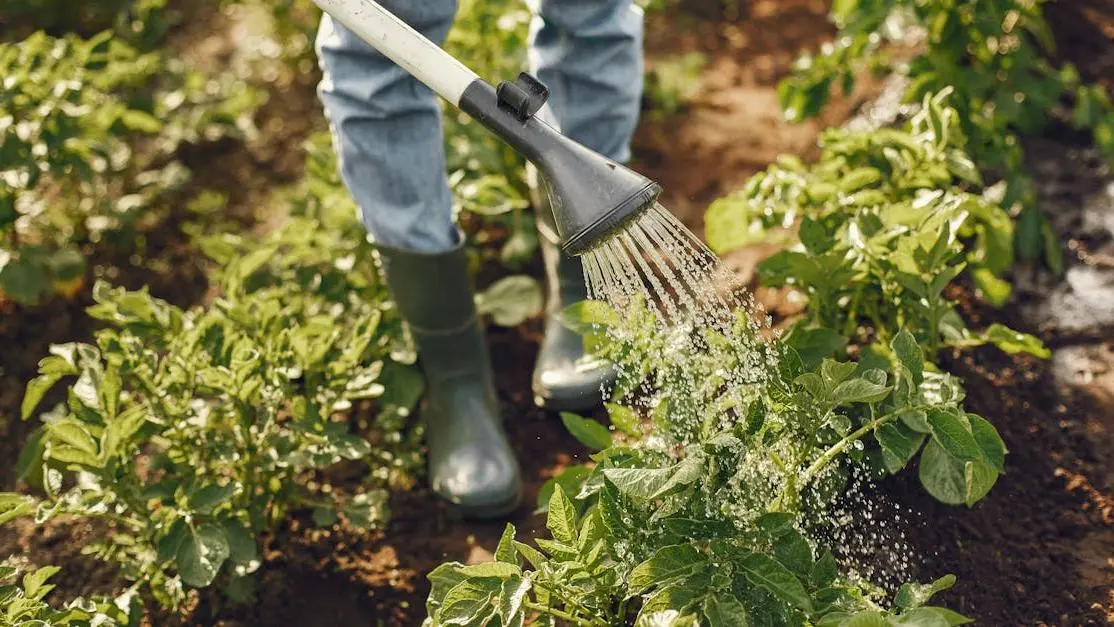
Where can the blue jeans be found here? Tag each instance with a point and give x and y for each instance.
(387, 126)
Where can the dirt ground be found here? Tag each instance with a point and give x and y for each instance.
(1038, 550)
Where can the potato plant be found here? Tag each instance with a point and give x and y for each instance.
(22, 603)
(995, 54)
(73, 168)
(697, 516)
(193, 432)
(887, 219)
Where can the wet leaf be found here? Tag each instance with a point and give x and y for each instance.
(511, 301)
(202, 554)
(587, 431)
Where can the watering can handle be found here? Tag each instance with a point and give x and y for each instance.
(392, 37)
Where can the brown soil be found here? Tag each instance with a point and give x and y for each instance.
(733, 127)
(1038, 550)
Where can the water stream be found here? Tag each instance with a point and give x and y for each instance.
(711, 352)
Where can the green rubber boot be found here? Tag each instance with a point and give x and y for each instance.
(470, 461)
(565, 377)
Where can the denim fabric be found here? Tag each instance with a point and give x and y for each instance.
(387, 126)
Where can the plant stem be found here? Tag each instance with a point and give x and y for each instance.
(836, 449)
(567, 599)
(561, 614)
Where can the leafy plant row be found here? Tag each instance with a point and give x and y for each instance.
(194, 433)
(700, 509)
(89, 134)
(885, 221)
(995, 54)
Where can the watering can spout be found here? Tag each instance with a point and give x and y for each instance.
(591, 195)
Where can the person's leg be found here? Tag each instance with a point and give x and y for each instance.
(589, 54)
(387, 130)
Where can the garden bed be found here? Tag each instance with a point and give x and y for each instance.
(1038, 550)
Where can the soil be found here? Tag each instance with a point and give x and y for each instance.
(1038, 550)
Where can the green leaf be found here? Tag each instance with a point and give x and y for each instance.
(980, 477)
(243, 551)
(470, 602)
(499, 570)
(511, 301)
(813, 345)
(505, 551)
(202, 554)
(512, 593)
(404, 385)
(140, 121)
(835, 372)
(119, 432)
(587, 431)
(36, 389)
(952, 430)
(109, 392)
(794, 552)
(859, 391)
(325, 516)
(996, 291)
(1014, 342)
(34, 583)
(814, 236)
(367, 510)
(993, 448)
(943, 476)
(667, 563)
(687, 471)
(624, 419)
(918, 618)
(662, 606)
(922, 615)
(571, 478)
(825, 570)
(589, 316)
(725, 610)
(24, 281)
(14, 505)
(899, 444)
(914, 595)
(909, 353)
(917, 420)
(561, 520)
(171, 541)
(1028, 234)
(29, 465)
(532, 555)
(72, 433)
(207, 498)
(767, 573)
(69, 455)
(639, 483)
(867, 618)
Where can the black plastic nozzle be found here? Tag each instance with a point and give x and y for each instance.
(591, 195)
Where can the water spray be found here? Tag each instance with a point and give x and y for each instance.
(592, 196)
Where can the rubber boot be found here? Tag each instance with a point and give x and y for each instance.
(470, 461)
(565, 377)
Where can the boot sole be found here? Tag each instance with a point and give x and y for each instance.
(568, 403)
(489, 511)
